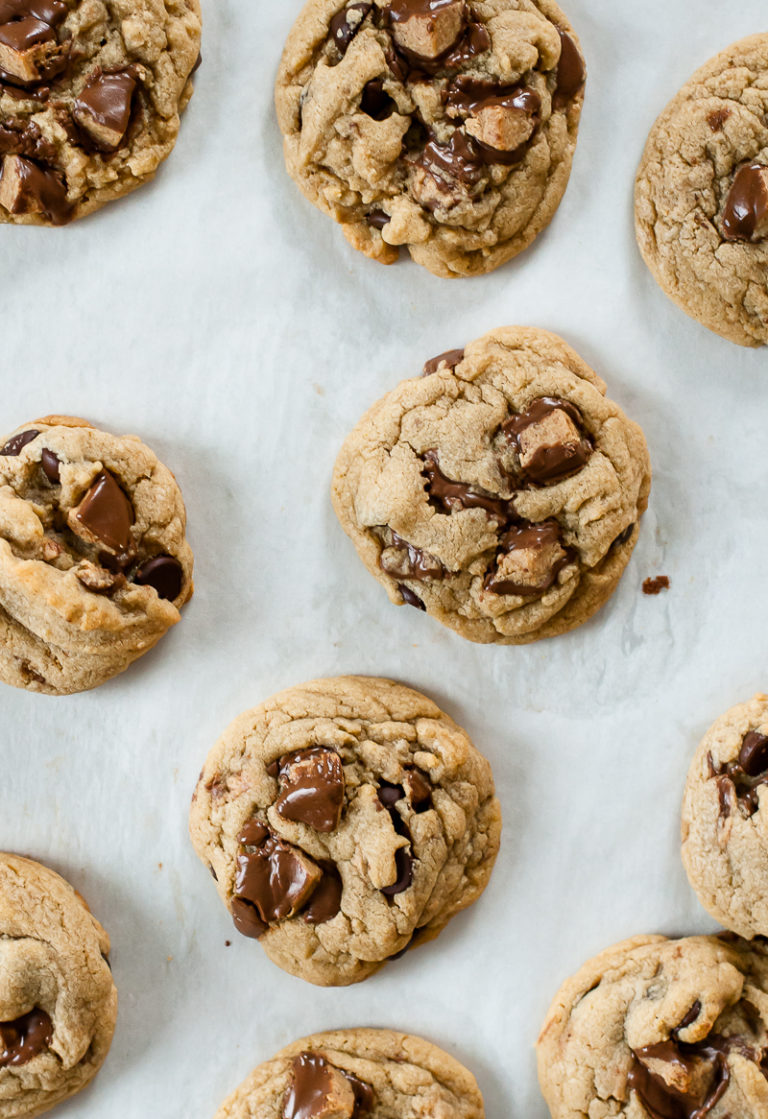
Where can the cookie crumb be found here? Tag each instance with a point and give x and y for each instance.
(657, 585)
(227, 943)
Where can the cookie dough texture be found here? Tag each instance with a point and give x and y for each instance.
(461, 153)
(91, 112)
(725, 819)
(656, 1027)
(86, 520)
(714, 127)
(58, 1003)
(525, 528)
(411, 841)
(407, 1078)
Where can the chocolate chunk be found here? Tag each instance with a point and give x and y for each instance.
(390, 794)
(246, 919)
(51, 464)
(346, 24)
(164, 573)
(753, 756)
(252, 833)
(52, 12)
(571, 72)
(461, 159)
(105, 515)
(274, 876)
(17, 443)
(325, 902)
(408, 561)
(319, 1090)
(104, 106)
(424, 30)
(450, 359)
(404, 867)
(657, 585)
(410, 598)
(377, 218)
(698, 1077)
(738, 781)
(451, 497)
(745, 217)
(548, 439)
(528, 561)
(27, 188)
(23, 137)
(501, 117)
(375, 102)
(312, 788)
(24, 1038)
(420, 790)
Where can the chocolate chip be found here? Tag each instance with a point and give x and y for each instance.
(312, 788)
(25, 1037)
(404, 867)
(656, 585)
(104, 515)
(753, 756)
(410, 598)
(571, 72)
(246, 919)
(163, 573)
(346, 24)
(275, 877)
(390, 794)
(51, 464)
(325, 902)
(745, 216)
(375, 102)
(450, 359)
(17, 443)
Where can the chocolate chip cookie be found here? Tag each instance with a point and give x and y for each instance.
(345, 821)
(94, 563)
(724, 831)
(90, 97)
(58, 1003)
(446, 126)
(661, 1029)
(354, 1074)
(500, 492)
(701, 199)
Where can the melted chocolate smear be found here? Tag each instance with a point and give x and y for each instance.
(450, 358)
(526, 535)
(747, 204)
(571, 72)
(325, 902)
(344, 29)
(17, 443)
(164, 574)
(312, 788)
(311, 1092)
(24, 1038)
(451, 497)
(461, 158)
(419, 564)
(467, 96)
(375, 103)
(409, 598)
(246, 919)
(738, 781)
(552, 462)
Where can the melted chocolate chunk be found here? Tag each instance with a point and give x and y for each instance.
(104, 106)
(40, 188)
(410, 598)
(164, 574)
(346, 24)
(319, 1089)
(272, 875)
(404, 867)
(51, 464)
(746, 208)
(246, 919)
(389, 795)
(52, 12)
(106, 513)
(412, 563)
(473, 42)
(312, 788)
(467, 96)
(377, 218)
(17, 443)
(450, 497)
(325, 902)
(571, 73)
(450, 358)
(716, 120)
(420, 789)
(526, 536)
(461, 158)
(739, 781)
(549, 461)
(23, 137)
(24, 1038)
(375, 103)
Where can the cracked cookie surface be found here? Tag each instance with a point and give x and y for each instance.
(94, 562)
(58, 1003)
(725, 819)
(661, 1029)
(701, 198)
(358, 1074)
(90, 97)
(445, 126)
(500, 492)
(344, 821)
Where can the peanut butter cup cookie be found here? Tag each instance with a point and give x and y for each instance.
(446, 126)
(661, 1029)
(90, 97)
(58, 1003)
(701, 200)
(725, 819)
(500, 492)
(357, 1074)
(94, 563)
(344, 821)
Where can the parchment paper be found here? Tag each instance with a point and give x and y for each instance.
(217, 314)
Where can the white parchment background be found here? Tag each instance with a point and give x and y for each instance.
(222, 318)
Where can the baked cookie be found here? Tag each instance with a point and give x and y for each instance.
(345, 821)
(500, 492)
(661, 1029)
(58, 1003)
(701, 199)
(90, 96)
(724, 831)
(357, 1074)
(94, 563)
(447, 126)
